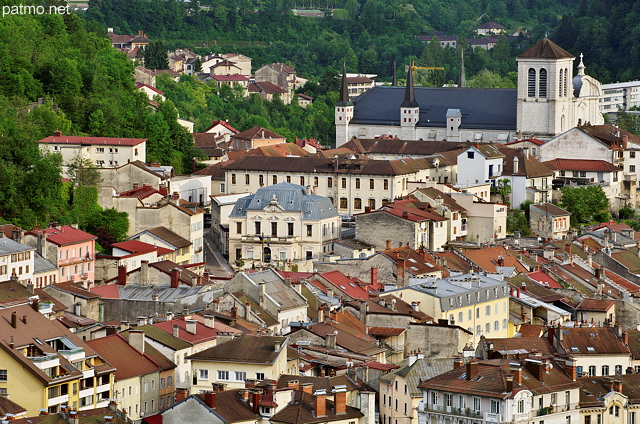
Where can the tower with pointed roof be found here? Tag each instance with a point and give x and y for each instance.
(545, 92)
(343, 112)
(409, 110)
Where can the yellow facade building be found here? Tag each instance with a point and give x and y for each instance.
(44, 366)
(476, 302)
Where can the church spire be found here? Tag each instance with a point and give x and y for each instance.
(394, 81)
(344, 90)
(463, 80)
(581, 66)
(409, 92)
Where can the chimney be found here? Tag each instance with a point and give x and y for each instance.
(374, 275)
(297, 286)
(517, 374)
(321, 314)
(617, 386)
(388, 244)
(400, 269)
(209, 321)
(191, 326)
(14, 320)
(234, 312)
(458, 361)
(176, 195)
(255, 401)
(625, 338)
(340, 399)
(515, 164)
(73, 418)
(571, 369)
(210, 399)
(175, 278)
(510, 377)
(363, 311)
(169, 316)
(420, 354)
(405, 214)
(330, 340)
(216, 305)
(35, 304)
(261, 297)
(320, 403)
(181, 394)
(247, 311)
(277, 346)
(176, 331)
(122, 275)
(411, 359)
(144, 272)
(137, 340)
(472, 369)
(537, 368)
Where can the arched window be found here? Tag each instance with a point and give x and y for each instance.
(531, 92)
(566, 78)
(542, 83)
(560, 82)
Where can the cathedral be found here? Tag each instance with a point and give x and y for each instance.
(548, 101)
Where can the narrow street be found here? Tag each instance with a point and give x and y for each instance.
(216, 263)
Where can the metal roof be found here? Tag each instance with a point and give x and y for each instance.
(481, 108)
(8, 246)
(289, 197)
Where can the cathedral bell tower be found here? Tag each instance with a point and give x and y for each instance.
(409, 110)
(343, 112)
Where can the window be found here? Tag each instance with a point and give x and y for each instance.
(470, 155)
(605, 370)
(153, 385)
(487, 327)
(261, 180)
(343, 203)
(614, 410)
(223, 375)
(289, 228)
(238, 227)
(448, 399)
(542, 84)
(301, 181)
(344, 183)
(162, 383)
(274, 229)
(462, 402)
(488, 310)
(288, 178)
(477, 312)
(260, 376)
(3, 375)
(247, 179)
(632, 168)
(233, 178)
(309, 230)
(275, 179)
(618, 369)
(146, 386)
(496, 326)
(495, 406)
(476, 404)
(587, 419)
(357, 183)
(560, 87)
(592, 370)
(434, 398)
(372, 184)
(372, 203)
(385, 184)
(203, 375)
(330, 182)
(169, 381)
(315, 181)
(258, 226)
(357, 203)
(531, 86)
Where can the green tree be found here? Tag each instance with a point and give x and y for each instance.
(110, 226)
(503, 188)
(155, 56)
(83, 172)
(517, 221)
(197, 66)
(586, 204)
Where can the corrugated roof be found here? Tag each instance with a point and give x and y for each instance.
(551, 209)
(481, 108)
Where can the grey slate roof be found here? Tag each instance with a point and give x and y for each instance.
(40, 264)
(481, 108)
(291, 197)
(286, 297)
(422, 369)
(8, 246)
(166, 294)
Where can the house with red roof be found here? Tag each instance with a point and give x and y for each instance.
(403, 222)
(256, 137)
(130, 254)
(101, 151)
(70, 249)
(137, 379)
(150, 91)
(335, 282)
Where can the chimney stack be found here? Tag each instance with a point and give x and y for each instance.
(122, 275)
(181, 394)
(176, 331)
(191, 326)
(570, 364)
(517, 374)
(210, 399)
(388, 244)
(617, 386)
(175, 278)
(458, 361)
(14, 319)
(321, 314)
(137, 340)
(340, 399)
(510, 377)
(247, 311)
(374, 275)
(209, 321)
(320, 403)
(472, 369)
(144, 272)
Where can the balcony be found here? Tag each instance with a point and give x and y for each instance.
(87, 392)
(58, 400)
(73, 355)
(631, 177)
(269, 239)
(449, 410)
(88, 373)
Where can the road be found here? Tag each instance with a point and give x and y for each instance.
(216, 263)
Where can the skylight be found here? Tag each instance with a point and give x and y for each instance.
(574, 349)
(590, 349)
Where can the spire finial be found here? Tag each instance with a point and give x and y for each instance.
(344, 90)
(581, 65)
(409, 92)
(463, 79)
(394, 81)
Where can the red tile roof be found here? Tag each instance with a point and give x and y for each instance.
(140, 85)
(90, 141)
(542, 277)
(592, 341)
(266, 87)
(487, 258)
(348, 285)
(581, 165)
(416, 262)
(533, 140)
(109, 291)
(65, 235)
(629, 286)
(127, 360)
(141, 192)
(203, 333)
(139, 247)
(257, 133)
(598, 305)
(224, 124)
